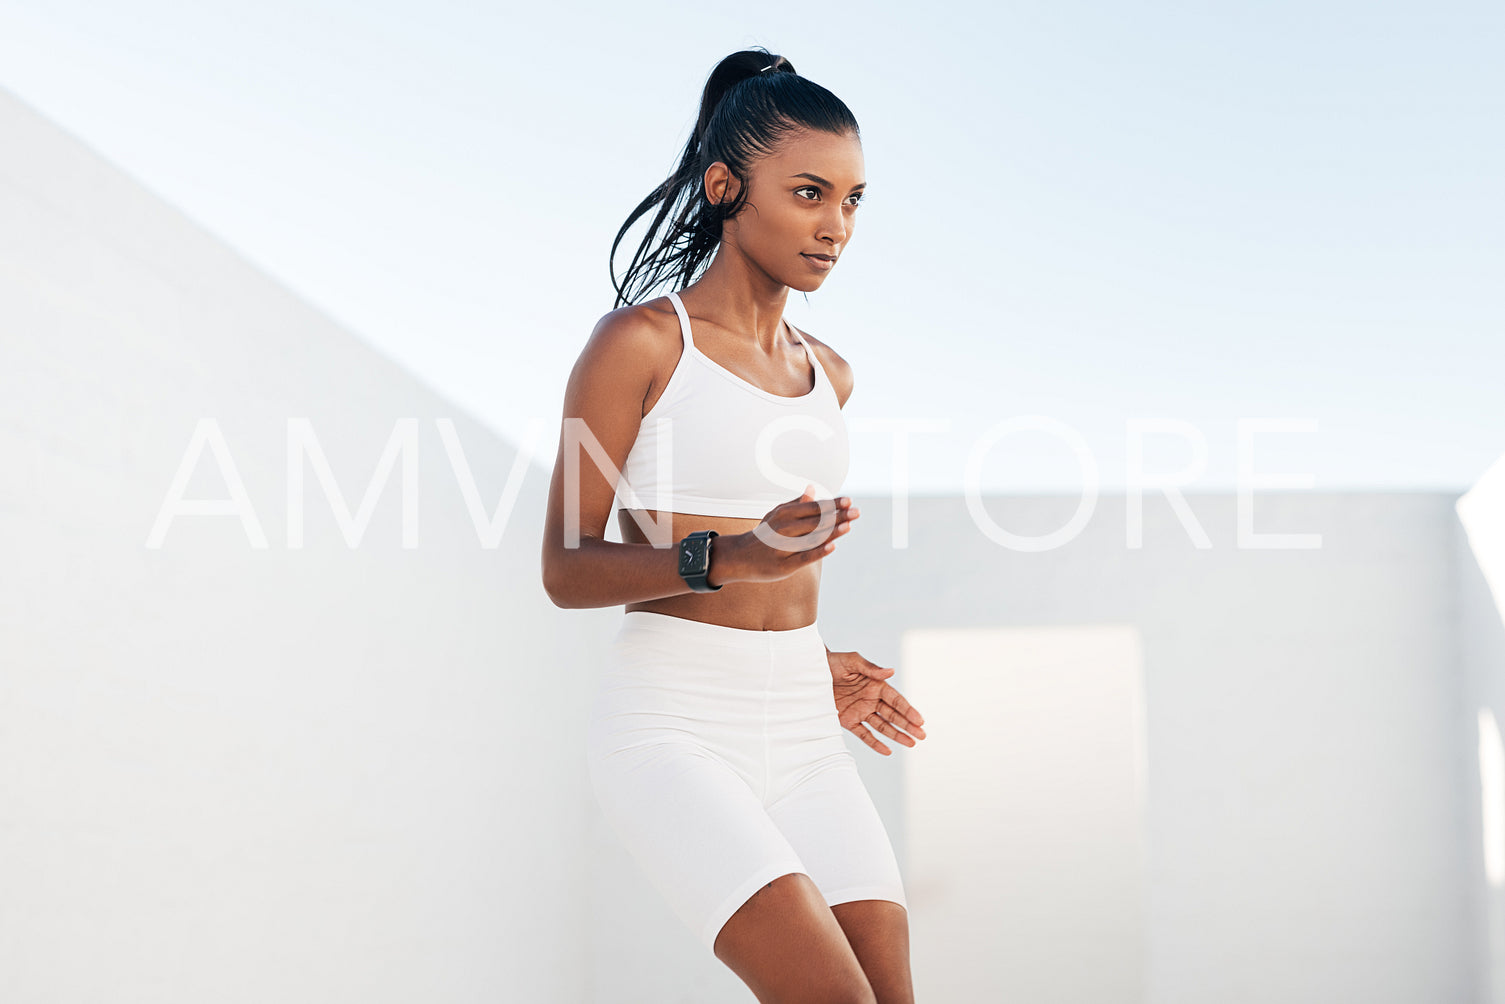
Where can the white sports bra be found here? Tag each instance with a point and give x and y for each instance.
(714, 444)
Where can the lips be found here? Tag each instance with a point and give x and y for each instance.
(819, 257)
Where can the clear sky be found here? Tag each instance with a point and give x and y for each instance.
(1092, 212)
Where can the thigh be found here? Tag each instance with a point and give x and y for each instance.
(787, 946)
(694, 826)
(878, 931)
(828, 817)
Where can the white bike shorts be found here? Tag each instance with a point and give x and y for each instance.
(717, 757)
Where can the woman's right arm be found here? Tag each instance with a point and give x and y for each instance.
(606, 391)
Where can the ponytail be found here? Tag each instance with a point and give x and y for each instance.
(751, 100)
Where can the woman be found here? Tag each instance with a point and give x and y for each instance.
(715, 744)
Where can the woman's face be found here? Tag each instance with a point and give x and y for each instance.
(801, 202)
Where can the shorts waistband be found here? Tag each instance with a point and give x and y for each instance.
(704, 631)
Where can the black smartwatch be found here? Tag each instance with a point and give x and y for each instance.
(695, 560)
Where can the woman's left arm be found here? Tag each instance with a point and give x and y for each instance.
(865, 702)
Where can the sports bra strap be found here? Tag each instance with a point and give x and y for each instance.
(684, 327)
(684, 319)
(801, 336)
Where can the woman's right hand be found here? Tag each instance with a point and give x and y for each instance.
(793, 534)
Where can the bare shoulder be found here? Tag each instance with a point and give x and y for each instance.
(837, 368)
(636, 329)
(635, 347)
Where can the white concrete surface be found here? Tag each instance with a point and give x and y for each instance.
(1481, 650)
(1307, 750)
(239, 773)
(1025, 870)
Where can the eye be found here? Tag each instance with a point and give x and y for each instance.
(858, 197)
(808, 188)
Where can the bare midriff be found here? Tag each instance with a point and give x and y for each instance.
(779, 605)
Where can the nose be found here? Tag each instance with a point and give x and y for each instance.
(834, 227)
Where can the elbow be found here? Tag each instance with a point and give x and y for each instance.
(555, 586)
(561, 600)
(569, 575)
(551, 588)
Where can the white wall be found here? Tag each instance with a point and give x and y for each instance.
(1024, 815)
(241, 774)
(1481, 643)
(1307, 784)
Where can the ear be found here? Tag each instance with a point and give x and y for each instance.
(720, 185)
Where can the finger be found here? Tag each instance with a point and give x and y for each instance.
(828, 533)
(816, 532)
(777, 535)
(814, 554)
(902, 708)
(824, 509)
(893, 715)
(887, 728)
(818, 529)
(867, 736)
(909, 711)
(894, 719)
(831, 502)
(836, 512)
(788, 538)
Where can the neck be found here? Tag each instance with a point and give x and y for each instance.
(736, 294)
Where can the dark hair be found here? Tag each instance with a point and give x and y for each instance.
(752, 99)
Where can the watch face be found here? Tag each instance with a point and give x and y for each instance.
(693, 556)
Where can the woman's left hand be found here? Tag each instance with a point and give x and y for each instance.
(864, 702)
